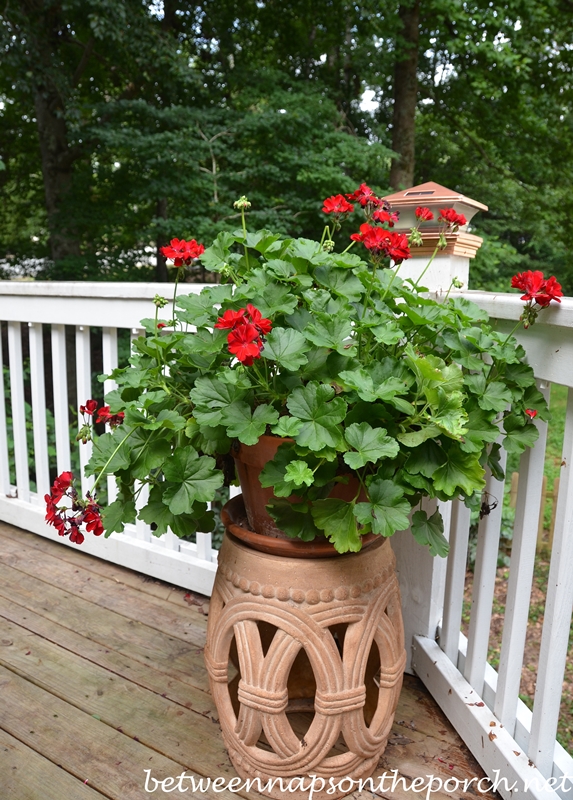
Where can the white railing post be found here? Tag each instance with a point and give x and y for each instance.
(5, 487)
(422, 579)
(84, 392)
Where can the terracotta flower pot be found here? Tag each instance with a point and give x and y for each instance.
(250, 460)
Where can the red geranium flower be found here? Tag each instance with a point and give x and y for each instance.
(389, 243)
(182, 252)
(364, 195)
(531, 413)
(89, 407)
(536, 288)
(244, 342)
(451, 216)
(424, 214)
(160, 325)
(337, 205)
(262, 324)
(230, 319)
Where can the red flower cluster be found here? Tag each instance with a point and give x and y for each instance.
(537, 289)
(451, 216)
(388, 243)
(103, 415)
(67, 519)
(182, 252)
(337, 205)
(247, 327)
(365, 196)
(424, 214)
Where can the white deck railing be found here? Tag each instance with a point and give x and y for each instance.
(72, 311)
(483, 704)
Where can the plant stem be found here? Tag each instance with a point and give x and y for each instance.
(244, 223)
(110, 459)
(434, 254)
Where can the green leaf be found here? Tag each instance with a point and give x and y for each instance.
(480, 429)
(334, 333)
(448, 414)
(293, 519)
(197, 310)
(416, 438)
(429, 531)
(519, 436)
(462, 471)
(276, 299)
(148, 452)
(288, 427)
(103, 451)
(387, 511)
(274, 471)
(286, 346)
(191, 477)
(156, 513)
(321, 415)
(210, 397)
(340, 282)
(244, 424)
(426, 459)
(336, 518)
(298, 472)
(117, 515)
(166, 419)
(370, 443)
(495, 398)
(216, 257)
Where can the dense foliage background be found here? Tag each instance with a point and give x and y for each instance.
(124, 123)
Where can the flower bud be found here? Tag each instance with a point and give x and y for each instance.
(242, 204)
(159, 301)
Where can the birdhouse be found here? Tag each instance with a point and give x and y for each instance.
(453, 260)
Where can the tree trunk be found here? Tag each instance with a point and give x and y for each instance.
(57, 170)
(405, 97)
(161, 273)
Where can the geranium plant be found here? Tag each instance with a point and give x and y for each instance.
(363, 374)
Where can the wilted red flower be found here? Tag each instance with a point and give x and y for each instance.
(536, 288)
(182, 252)
(67, 519)
(424, 214)
(89, 407)
(389, 243)
(337, 205)
(531, 413)
(451, 216)
(386, 216)
(105, 415)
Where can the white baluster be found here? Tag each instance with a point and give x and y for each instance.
(84, 392)
(109, 347)
(455, 580)
(38, 389)
(557, 618)
(5, 486)
(61, 399)
(520, 578)
(18, 411)
(484, 584)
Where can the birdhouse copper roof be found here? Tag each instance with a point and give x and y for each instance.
(434, 197)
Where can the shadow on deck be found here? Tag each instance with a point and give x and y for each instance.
(102, 678)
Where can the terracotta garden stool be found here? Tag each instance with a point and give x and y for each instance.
(322, 634)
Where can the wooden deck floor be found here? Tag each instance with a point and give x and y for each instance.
(102, 677)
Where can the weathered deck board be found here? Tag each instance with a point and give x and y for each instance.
(28, 776)
(87, 648)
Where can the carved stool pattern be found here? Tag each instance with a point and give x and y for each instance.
(334, 609)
